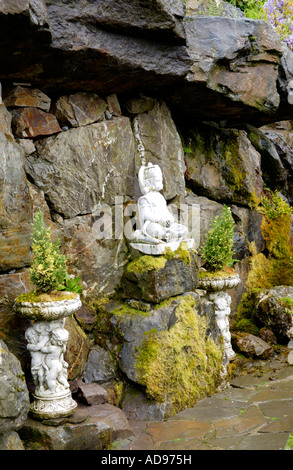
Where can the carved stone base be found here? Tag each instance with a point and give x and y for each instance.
(56, 406)
(160, 248)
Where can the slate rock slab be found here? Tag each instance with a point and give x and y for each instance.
(14, 397)
(104, 424)
(33, 122)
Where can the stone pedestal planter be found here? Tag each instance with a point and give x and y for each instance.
(216, 288)
(47, 340)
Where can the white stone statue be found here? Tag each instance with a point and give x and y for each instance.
(56, 367)
(158, 228)
(35, 343)
(222, 303)
(47, 344)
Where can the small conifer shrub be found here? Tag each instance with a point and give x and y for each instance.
(48, 268)
(217, 251)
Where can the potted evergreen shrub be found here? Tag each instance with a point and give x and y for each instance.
(51, 299)
(217, 272)
(47, 306)
(218, 275)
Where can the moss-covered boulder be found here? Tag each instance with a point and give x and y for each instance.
(182, 364)
(172, 350)
(274, 310)
(270, 308)
(156, 278)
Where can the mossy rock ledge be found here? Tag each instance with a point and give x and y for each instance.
(156, 278)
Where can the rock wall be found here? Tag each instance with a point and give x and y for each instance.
(87, 92)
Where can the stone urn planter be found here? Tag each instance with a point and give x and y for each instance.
(47, 339)
(216, 287)
(218, 283)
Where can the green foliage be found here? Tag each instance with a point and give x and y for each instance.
(48, 268)
(289, 445)
(244, 313)
(279, 13)
(252, 8)
(275, 267)
(287, 302)
(246, 325)
(72, 284)
(272, 205)
(217, 251)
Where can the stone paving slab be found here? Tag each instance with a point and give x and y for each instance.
(256, 413)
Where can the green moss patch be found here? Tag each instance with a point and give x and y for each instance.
(45, 297)
(180, 365)
(146, 263)
(227, 272)
(274, 268)
(125, 309)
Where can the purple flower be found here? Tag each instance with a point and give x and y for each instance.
(280, 15)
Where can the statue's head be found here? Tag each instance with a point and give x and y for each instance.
(59, 336)
(150, 178)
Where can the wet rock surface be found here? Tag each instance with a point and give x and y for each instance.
(254, 413)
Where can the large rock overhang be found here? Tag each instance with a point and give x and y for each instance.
(205, 68)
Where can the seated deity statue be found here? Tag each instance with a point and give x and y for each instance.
(157, 224)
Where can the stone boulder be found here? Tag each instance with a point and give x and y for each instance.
(222, 165)
(103, 156)
(92, 393)
(154, 279)
(13, 327)
(273, 310)
(159, 18)
(79, 109)
(273, 171)
(207, 8)
(33, 122)
(281, 136)
(14, 396)
(198, 64)
(77, 349)
(252, 346)
(5, 121)
(16, 207)
(152, 351)
(228, 56)
(20, 96)
(95, 254)
(11, 441)
(90, 428)
(158, 142)
(100, 366)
